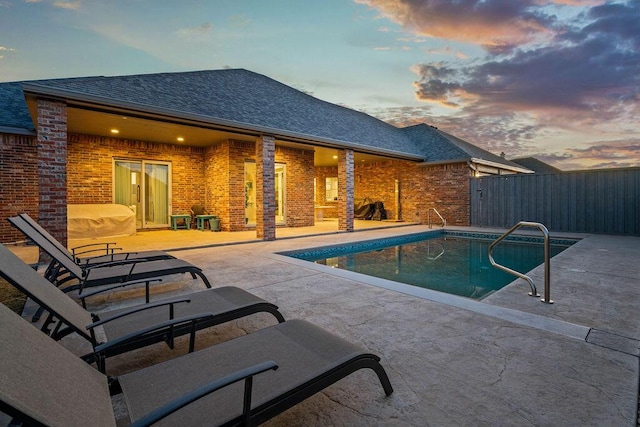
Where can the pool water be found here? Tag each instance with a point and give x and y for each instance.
(452, 264)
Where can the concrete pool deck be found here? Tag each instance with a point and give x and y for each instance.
(508, 360)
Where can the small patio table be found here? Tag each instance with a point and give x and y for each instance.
(200, 221)
(176, 217)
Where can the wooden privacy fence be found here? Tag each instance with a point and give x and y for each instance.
(598, 201)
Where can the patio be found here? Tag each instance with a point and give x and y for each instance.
(509, 360)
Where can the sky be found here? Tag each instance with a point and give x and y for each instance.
(558, 80)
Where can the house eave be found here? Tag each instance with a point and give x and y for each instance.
(170, 115)
(500, 165)
(476, 161)
(17, 131)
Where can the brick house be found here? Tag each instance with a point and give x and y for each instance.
(255, 152)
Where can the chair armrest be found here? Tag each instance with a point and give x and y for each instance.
(184, 400)
(106, 247)
(167, 323)
(138, 309)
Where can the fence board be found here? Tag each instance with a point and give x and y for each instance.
(599, 201)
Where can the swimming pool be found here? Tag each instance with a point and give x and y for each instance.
(447, 261)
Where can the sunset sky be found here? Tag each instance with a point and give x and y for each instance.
(558, 80)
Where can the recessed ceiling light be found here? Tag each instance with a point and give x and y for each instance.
(335, 157)
(180, 139)
(115, 131)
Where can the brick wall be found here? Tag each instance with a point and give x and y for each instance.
(299, 185)
(445, 187)
(215, 177)
(224, 174)
(18, 182)
(52, 167)
(345, 190)
(321, 174)
(90, 168)
(239, 153)
(265, 188)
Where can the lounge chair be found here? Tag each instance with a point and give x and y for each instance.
(134, 327)
(280, 366)
(63, 269)
(29, 227)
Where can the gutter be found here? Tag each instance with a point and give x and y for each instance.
(70, 95)
(17, 131)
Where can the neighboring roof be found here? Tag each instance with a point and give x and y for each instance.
(14, 113)
(443, 147)
(247, 100)
(538, 166)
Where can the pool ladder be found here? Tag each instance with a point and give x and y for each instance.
(547, 273)
(444, 221)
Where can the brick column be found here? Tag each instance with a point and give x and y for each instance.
(345, 190)
(265, 188)
(52, 168)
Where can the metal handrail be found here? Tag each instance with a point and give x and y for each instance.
(547, 281)
(444, 221)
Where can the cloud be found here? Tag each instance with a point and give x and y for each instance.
(609, 150)
(586, 77)
(5, 49)
(71, 5)
(592, 69)
(61, 4)
(194, 33)
(497, 25)
(596, 155)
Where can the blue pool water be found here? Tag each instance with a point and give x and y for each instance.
(451, 262)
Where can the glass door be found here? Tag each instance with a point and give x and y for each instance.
(280, 193)
(144, 186)
(250, 193)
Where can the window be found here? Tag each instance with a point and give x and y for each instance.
(331, 189)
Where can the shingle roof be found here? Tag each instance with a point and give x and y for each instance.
(440, 146)
(538, 166)
(251, 100)
(13, 108)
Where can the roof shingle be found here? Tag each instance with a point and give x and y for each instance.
(251, 100)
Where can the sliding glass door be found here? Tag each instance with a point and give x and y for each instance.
(144, 186)
(250, 193)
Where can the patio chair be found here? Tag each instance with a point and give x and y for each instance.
(199, 210)
(280, 366)
(134, 327)
(63, 269)
(28, 226)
